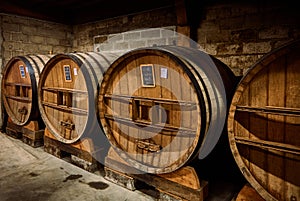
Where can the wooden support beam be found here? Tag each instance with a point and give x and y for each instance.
(183, 27)
(186, 27)
(181, 13)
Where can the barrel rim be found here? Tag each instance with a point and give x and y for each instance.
(49, 65)
(82, 60)
(33, 112)
(133, 54)
(246, 79)
(220, 92)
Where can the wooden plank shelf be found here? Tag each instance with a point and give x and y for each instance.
(269, 145)
(270, 110)
(68, 90)
(153, 100)
(17, 84)
(19, 98)
(153, 127)
(65, 108)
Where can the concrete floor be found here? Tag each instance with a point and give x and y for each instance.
(31, 174)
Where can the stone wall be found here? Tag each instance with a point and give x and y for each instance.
(239, 33)
(236, 32)
(87, 35)
(139, 38)
(21, 36)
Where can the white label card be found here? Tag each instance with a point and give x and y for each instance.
(22, 71)
(75, 71)
(164, 73)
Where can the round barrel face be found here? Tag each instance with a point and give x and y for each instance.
(264, 125)
(149, 110)
(63, 99)
(17, 91)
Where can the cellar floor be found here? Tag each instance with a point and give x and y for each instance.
(31, 174)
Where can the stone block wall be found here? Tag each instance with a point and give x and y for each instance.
(21, 36)
(126, 41)
(240, 32)
(86, 36)
(236, 32)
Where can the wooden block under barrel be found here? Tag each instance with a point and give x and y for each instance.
(181, 184)
(13, 130)
(31, 133)
(82, 153)
(248, 193)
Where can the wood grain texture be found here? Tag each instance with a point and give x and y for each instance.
(182, 184)
(248, 193)
(68, 87)
(19, 87)
(159, 128)
(264, 124)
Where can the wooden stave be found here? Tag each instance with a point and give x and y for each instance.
(35, 64)
(111, 139)
(203, 94)
(92, 74)
(222, 73)
(262, 64)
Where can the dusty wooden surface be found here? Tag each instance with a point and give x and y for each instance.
(264, 125)
(157, 108)
(19, 87)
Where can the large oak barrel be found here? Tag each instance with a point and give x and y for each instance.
(161, 106)
(19, 87)
(67, 92)
(264, 124)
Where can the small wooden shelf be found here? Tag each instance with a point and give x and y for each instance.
(269, 145)
(19, 98)
(60, 89)
(184, 132)
(65, 108)
(154, 100)
(17, 84)
(270, 110)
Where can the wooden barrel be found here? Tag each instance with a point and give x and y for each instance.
(264, 124)
(161, 106)
(19, 87)
(67, 91)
